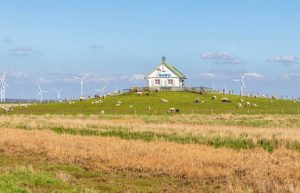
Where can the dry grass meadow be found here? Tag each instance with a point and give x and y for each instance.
(184, 153)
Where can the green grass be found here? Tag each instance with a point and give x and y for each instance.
(226, 141)
(180, 100)
(32, 173)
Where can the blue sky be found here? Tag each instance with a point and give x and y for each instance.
(117, 41)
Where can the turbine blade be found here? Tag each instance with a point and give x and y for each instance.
(84, 77)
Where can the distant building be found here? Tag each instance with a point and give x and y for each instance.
(165, 75)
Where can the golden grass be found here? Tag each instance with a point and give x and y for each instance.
(254, 170)
(137, 124)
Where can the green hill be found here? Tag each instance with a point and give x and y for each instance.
(131, 103)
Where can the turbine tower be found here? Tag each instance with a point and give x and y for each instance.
(58, 93)
(242, 83)
(40, 93)
(3, 86)
(81, 83)
(101, 90)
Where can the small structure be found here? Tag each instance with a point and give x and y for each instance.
(165, 76)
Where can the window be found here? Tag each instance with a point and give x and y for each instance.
(170, 81)
(157, 81)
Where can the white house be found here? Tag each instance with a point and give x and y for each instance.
(165, 75)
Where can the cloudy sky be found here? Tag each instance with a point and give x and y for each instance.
(116, 42)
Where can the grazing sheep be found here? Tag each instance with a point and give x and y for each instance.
(81, 98)
(239, 105)
(197, 100)
(118, 104)
(214, 97)
(202, 101)
(242, 100)
(173, 110)
(102, 112)
(254, 105)
(7, 109)
(130, 106)
(248, 104)
(139, 93)
(226, 100)
(274, 97)
(164, 100)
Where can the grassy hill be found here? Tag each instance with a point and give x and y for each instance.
(184, 101)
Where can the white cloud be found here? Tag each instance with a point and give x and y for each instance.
(288, 59)
(221, 58)
(208, 75)
(254, 75)
(291, 76)
(137, 77)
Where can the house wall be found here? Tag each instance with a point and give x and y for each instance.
(164, 75)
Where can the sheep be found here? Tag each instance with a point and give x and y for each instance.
(173, 110)
(239, 105)
(81, 98)
(248, 104)
(164, 100)
(202, 101)
(131, 106)
(102, 112)
(226, 100)
(274, 97)
(92, 102)
(271, 101)
(197, 100)
(242, 100)
(118, 104)
(7, 109)
(214, 97)
(254, 105)
(139, 93)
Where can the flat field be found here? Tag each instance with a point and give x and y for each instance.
(167, 153)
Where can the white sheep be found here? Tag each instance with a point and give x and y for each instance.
(274, 97)
(239, 105)
(214, 97)
(164, 100)
(242, 100)
(118, 104)
(248, 104)
(131, 106)
(102, 112)
(139, 93)
(254, 105)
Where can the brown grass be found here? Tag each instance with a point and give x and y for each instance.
(254, 170)
(281, 132)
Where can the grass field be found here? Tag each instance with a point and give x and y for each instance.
(144, 153)
(134, 104)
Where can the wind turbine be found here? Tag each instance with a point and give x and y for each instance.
(101, 90)
(58, 93)
(81, 83)
(40, 93)
(3, 86)
(242, 83)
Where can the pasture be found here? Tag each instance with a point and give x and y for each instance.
(150, 104)
(145, 153)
